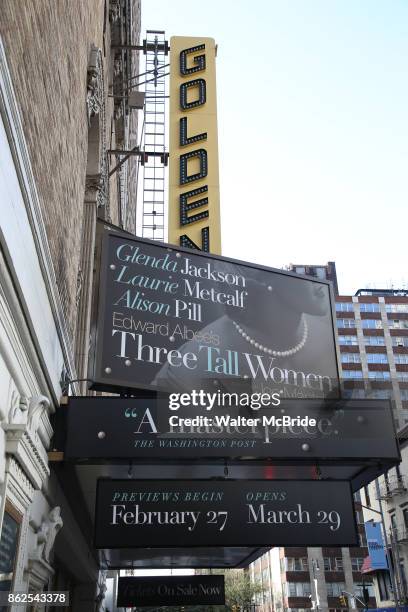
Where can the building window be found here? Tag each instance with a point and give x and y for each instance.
(403, 359)
(367, 496)
(384, 585)
(358, 590)
(379, 375)
(327, 564)
(357, 563)
(374, 307)
(300, 270)
(350, 358)
(10, 534)
(339, 564)
(377, 358)
(335, 589)
(374, 340)
(296, 564)
(402, 376)
(381, 393)
(298, 589)
(371, 323)
(350, 323)
(348, 340)
(405, 515)
(396, 308)
(404, 394)
(400, 341)
(404, 415)
(333, 564)
(344, 307)
(387, 483)
(352, 374)
(354, 394)
(321, 272)
(398, 323)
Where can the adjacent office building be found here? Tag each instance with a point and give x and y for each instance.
(386, 503)
(298, 579)
(372, 328)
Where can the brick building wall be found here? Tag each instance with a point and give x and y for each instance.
(48, 45)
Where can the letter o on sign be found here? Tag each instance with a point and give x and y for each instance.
(201, 99)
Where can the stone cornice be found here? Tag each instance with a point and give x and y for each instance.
(19, 484)
(30, 455)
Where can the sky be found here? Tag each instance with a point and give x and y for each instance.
(312, 130)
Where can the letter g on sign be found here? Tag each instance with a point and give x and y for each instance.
(199, 60)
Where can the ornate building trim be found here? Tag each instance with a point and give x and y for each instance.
(31, 456)
(20, 489)
(96, 106)
(27, 441)
(38, 566)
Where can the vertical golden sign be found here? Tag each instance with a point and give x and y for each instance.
(194, 193)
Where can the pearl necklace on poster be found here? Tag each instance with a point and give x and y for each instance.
(270, 351)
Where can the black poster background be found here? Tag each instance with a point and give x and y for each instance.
(222, 516)
(171, 591)
(270, 312)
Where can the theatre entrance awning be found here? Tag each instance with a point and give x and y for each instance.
(96, 439)
(79, 481)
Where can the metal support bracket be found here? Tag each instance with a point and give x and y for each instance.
(165, 48)
(144, 156)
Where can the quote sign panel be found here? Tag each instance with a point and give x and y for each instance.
(171, 591)
(175, 320)
(160, 427)
(167, 513)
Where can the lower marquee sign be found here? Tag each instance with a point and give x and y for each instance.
(162, 428)
(171, 591)
(168, 513)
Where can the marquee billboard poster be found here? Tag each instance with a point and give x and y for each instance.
(175, 319)
(180, 513)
